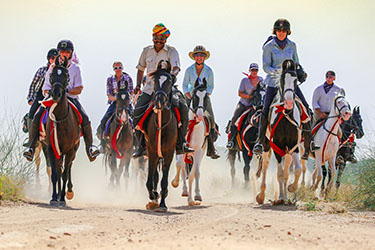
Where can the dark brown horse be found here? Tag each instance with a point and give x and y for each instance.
(121, 137)
(161, 136)
(63, 135)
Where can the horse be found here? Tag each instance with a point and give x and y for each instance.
(120, 133)
(62, 134)
(284, 135)
(247, 126)
(350, 129)
(326, 135)
(196, 137)
(161, 136)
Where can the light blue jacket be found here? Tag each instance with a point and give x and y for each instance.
(274, 56)
(191, 76)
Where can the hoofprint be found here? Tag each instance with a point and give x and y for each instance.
(326, 137)
(197, 140)
(291, 154)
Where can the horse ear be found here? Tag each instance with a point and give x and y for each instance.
(205, 83)
(57, 61)
(126, 85)
(118, 85)
(65, 62)
(196, 84)
(342, 92)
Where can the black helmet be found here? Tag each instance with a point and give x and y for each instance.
(52, 53)
(65, 45)
(281, 24)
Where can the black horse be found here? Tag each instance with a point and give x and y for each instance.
(63, 134)
(120, 143)
(247, 135)
(161, 136)
(350, 129)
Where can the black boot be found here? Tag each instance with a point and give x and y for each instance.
(308, 141)
(351, 157)
(27, 128)
(33, 139)
(259, 146)
(91, 150)
(140, 144)
(211, 151)
(232, 141)
(181, 145)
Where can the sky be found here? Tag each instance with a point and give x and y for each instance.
(330, 35)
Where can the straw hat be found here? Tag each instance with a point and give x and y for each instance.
(199, 49)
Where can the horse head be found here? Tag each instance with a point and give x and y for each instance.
(356, 123)
(162, 84)
(59, 79)
(258, 97)
(198, 98)
(288, 83)
(122, 102)
(341, 106)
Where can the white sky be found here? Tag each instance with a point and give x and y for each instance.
(335, 35)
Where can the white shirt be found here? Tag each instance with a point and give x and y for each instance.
(323, 100)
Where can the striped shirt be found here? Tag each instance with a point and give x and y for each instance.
(37, 83)
(112, 84)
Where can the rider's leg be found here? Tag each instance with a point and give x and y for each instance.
(34, 107)
(181, 146)
(240, 108)
(91, 150)
(33, 135)
(211, 151)
(302, 98)
(140, 108)
(101, 129)
(270, 94)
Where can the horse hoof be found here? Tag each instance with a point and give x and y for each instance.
(69, 195)
(61, 203)
(175, 183)
(152, 205)
(278, 202)
(291, 188)
(161, 210)
(198, 198)
(53, 203)
(194, 203)
(185, 194)
(260, 199)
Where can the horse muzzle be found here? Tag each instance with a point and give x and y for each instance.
(346, 115)
(289, 104)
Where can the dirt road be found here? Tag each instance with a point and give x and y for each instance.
(226, 219)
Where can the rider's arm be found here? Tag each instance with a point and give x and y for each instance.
(47, 85)
(111, 97)
(185, 83)
(267, 60)
(210, 82)
(36, 79)
(75, 91)
(244, 95)
(139, 77)
(295, 55)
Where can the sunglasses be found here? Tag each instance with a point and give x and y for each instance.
(330, 76)
(160, 38)
(116, 68)
(282, 30)
(200, 54)
(254, 70)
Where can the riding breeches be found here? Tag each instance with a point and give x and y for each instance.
(140, 107)
(110, 111)
(210, 113)
(85, 118)
(34, 107)
(240, 108)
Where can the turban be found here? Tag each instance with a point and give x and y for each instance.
(160, 29)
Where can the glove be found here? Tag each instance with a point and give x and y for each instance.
(301, 74)
(174, 79)
(137, 89)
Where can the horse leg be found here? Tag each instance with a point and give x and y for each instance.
(280, 178)
(113, 167)
(54, 177)
(303, 165)
(324, 171)
(126, 163)
(317, 176)
(152, 171)
(185, 192)
(266, 160)
(197, 197)
(339, 173)
(37, 164)
(119, 171)
(48, 167)
(164, 182)
(297, 173)
(179, 165)
(246, 168)
(332, 166)
(232, 162)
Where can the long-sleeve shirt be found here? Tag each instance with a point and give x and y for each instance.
(191, 76)
(323, 100)
(112, 84)
(75, 79)
(37, 83)
(274, 56)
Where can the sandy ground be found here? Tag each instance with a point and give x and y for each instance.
(228, 218)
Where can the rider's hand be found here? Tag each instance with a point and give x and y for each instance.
(30, 102)
(137, 89)
(322, 115)
(188, 95)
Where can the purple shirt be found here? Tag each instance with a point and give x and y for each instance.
(112, 84)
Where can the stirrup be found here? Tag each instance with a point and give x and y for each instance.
(340, 160)
(313, 147)
(28, 154)
(305, 156)
(230, 145)
(94, 151)
(258, 148)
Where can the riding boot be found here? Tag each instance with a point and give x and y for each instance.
(91, 150)
(211, 151)
(181, 145)
(100, 136)
(308, 141)
(233, 134)
(140, 144)
(350, 155)
(259, 146)
(28, 125)
(33, 139)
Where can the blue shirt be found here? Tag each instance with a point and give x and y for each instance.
(191, 76)
(274, 56)
(246, 88)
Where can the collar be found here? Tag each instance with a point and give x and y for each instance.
(164, 48)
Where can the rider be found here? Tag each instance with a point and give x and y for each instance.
(35, 91)
(246, 91)
(198, 71)
(149, 59)
(275, 50)
(112, 81)
(74, 88)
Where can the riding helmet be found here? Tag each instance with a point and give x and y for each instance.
(281, 24)
(52, 53)
(65, 45)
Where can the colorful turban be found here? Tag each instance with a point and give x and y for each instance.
(160, 29)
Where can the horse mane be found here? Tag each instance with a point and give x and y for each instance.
(288, 66)
(164, 67)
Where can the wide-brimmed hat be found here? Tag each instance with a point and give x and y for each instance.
(199, 49)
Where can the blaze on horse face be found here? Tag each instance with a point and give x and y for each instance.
(162, 84)
(122, 102)
(342, 107)
(288, 83)
(198, 102)
(59, 79)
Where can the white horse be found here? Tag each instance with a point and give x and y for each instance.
(284, 135)
(327, 138)
(196, 137)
